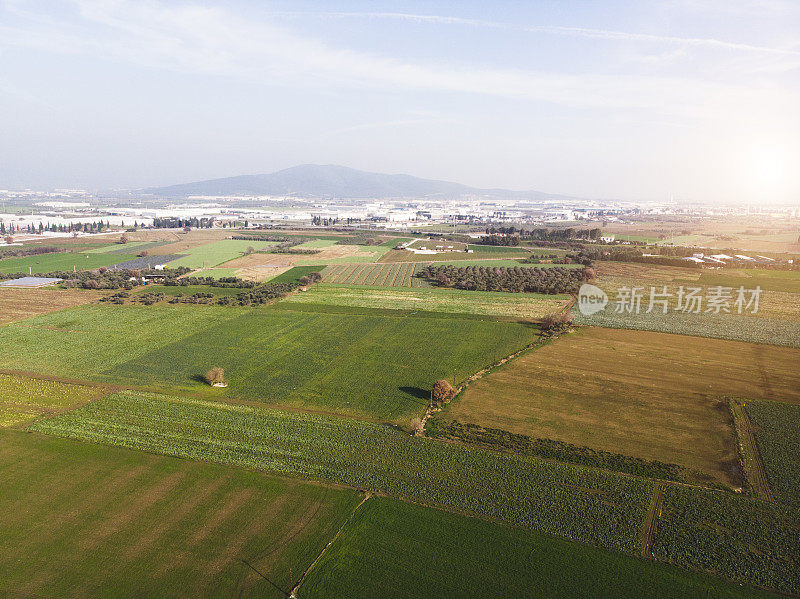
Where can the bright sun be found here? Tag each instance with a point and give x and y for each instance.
(768, 167)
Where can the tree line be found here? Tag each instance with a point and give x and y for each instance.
(556, 280)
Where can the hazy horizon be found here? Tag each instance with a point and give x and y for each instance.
(634, 101)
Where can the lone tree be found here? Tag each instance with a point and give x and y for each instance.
(442, 392)
(215, 377)
(123, 238)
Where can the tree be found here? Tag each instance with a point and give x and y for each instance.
(215, 376)
(9, 239)
(442, 392)
(123, 238)
(555, 322)
(417, 427)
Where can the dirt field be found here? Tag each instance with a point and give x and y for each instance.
(18, 304)
(645, 394)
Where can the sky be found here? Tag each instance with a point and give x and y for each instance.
(696, 100)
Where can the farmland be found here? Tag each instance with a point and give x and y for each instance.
(84, 520)
(310, 359)
(777, 429)
(602, 508)
(22, 399)
(603, 388)
(18, 304)
(216, 252)
(736, 537)
(489, 303)
(396, 550)
(61, 261)
(379, 275)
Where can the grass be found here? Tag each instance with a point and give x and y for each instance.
(217, 273)
(504, 262)
(171, 290)
(524, 306)
(777, 430)
(599, 507)
(85, 520)
(358, 363)
(294, 274)
(392, 549)
(217, 252)
(648, 395)
(45, 263)
(23, 399)
(743, 539)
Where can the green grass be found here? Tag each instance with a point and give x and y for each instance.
(599, 507)
(217, 252)
(172, 290)
(84, 520)
(777, 431)
(391, 549)
(513, 305)
(22, 399)
(293, 274)
(355, 363)
(503, 262)
(217, 273)
(132, 247)
(498, 249)
(45, 263)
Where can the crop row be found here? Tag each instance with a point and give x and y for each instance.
(380, 275)
(777, 427)
(594, 506)
(731, 535)
(734, 327)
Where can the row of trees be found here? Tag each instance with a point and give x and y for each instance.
(172, 222)
(556, 280)
(544, 234)
(31, 229)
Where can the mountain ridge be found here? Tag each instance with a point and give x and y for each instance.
(334, 181)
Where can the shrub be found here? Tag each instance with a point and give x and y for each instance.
(443, 392)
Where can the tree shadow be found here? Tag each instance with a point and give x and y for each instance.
(199, 378)
(416, 392)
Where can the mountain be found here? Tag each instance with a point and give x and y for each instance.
(326, 181)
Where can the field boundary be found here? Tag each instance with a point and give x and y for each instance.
(749, 456)
(651, 522)
(293, 593)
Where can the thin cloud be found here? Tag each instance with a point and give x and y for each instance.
(558, 30)
(201, 39)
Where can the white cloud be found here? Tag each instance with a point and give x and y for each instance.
(199, 39)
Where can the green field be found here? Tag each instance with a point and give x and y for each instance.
(23, 399)
(217, 252)
(777, 431)
(500, 263)
(488, 303)
(171, 290)
(82, 520)
(131, 247)
(397, 274)
(736, 537)
(395, 550)
(217, 273)
(293, 274)
(45, 263)
(599, 507)
(735, 327)
(363, 364)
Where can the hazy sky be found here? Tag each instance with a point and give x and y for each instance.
(696, 99)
